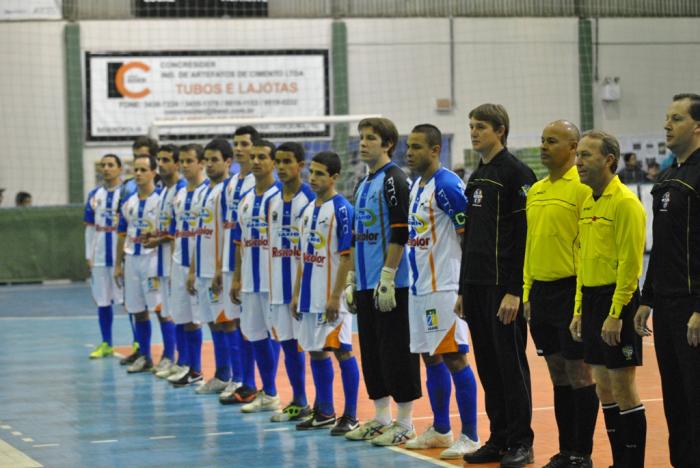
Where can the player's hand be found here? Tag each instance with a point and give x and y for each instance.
(640, 320)
(575, 328)
(611, 331)
(384, 293)
(235, 291)
(694, 330)
(216, 283)
(332, 309)
(150, 241)
(293, 309)
(526, 310)
(349, 291)
(508, 309)
(119, 275)
(190, 284)
(89, 265)
(459, 311)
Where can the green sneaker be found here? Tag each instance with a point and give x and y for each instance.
(101, 351)
(292, 412)
(135, 346)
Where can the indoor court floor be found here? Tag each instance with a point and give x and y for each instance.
(60, 409)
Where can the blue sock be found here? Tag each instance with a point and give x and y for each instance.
(439, 386)
(105, 316)
(265, 358)
(350, 374)
(133, 328)
(247, 364)
(194, 342)
(221, 356)
(167, 329)
(143, 336)
(276, 349)
(322, 372)
(233, 339)
(465, 392)
(183, 352)
(295, 364)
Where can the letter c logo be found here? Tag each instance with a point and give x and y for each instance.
(119, 80)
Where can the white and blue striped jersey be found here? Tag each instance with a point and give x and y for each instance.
(326, 234)
(234, 188)
(166, 226)
(435, 218)
(186, 222)
(209, 238)
(102, 219)
(283, 234)
(139, 219)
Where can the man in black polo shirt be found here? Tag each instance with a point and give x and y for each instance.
(672, 285)
(491, 285)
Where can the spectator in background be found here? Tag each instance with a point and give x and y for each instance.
(632, 172)
(23, 199)
(2, 192)
(653, 169)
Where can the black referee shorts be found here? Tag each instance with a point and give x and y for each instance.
(595, 308)
(551, 310)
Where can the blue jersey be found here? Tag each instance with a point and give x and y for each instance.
(381, 217)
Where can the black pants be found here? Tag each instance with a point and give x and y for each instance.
(679, 366)
(388, 366)
(499, 351)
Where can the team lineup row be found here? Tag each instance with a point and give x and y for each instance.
(271, 263)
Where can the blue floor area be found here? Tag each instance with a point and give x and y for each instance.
(73, 412)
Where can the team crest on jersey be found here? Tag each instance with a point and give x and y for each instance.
(275, 216)
(627, 352)
(416, 222)
(366, 217)
(317, 240)
(306, 221)
(431, 320)
(477, 197)
(665, 200)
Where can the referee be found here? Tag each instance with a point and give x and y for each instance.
(672, 285)
(553, 208)
(491, 285)
(611, 230)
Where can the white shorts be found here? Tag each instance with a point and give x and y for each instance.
(183, 306)
(255, 311)
(435, 329)
(164, 291)
(140, 287)
(105, 290)
(317, 334)
(284, 326)
(232, 311)
(210, 305)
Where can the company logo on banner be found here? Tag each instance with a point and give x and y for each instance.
(30, 9)
(127, 92)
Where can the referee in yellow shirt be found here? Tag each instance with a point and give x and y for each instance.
(612, 227)
(549, 287)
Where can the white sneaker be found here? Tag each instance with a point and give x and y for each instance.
(430, 439)
(394, 435)
(214, 385)
(142, 364)
(230, 389)
(460, 448)
(262, 402)
(367, 431)
(164, 364)
(165, 373)
(174, 377)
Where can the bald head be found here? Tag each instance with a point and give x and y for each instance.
(567, 128)
(558, 148)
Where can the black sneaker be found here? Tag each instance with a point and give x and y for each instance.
(517, 457)
(560, 460)
(188, 379)
(344, 425)
(317, 421)
(130, 359)
(487, 453)
(245, 394)
(584, 461)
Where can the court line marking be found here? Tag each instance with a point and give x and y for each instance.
(73, 317)
(162, 437)
(276, 429)
(10, 456)
(16, 433)
(27, 439)
(219, 433)
(6, 427)
(421, 457)
(105, 441)
(45, 445)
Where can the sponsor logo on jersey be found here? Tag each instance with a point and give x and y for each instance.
(190, 218)
(417, 223)
(286, 252)
(289, 233)
(366, 217)
(628, 352)
(317, 240)
(144, 225)
(477, 197)
(431, 320)
(419, 242)
(366, 237)
(255, 243)
(665, 200)
(258, 223)
(314, 258)
(206, 215)
(321, 319)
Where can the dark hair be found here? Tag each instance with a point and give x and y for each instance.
(266, 144)
(385, 128)
(247, 130)
(146, 141)
(116, 158)
(329, 159)
(292, 147)
(152, 161)
(222, 145)
(196, 147)
(628, 156)
(432, 134)
(694, 110)
(496, 115)
(172, 149)
(22, 197)
(608, 145)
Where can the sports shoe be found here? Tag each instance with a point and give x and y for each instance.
(460, 448)
(190, 378)
(262, 402)
(393, 435)
(142, 364)
(102, 350)
(517, 457)
(430, 439)
(165, 363)
(583, 461)
(165, 373)
(317, 420)
(175, 376)
(344, 425)
(560, 460)
(292, 412)
(230, 388)
(130, 359)
(242, 394)
(367, 431)
(213, 385)
(488, 453)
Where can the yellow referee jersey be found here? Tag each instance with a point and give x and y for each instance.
(553, 211)
(612, 232)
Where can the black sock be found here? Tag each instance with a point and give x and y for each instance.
(634, 423)
(586, 409)
(611, 413)
(564, 414)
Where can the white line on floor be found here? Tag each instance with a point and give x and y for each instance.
(219, 433)
(6, 427)
(162, 437)
(45, 445)
(28, 439)
(105, 441)
(276, 429)
(16, 433)
(420, 456)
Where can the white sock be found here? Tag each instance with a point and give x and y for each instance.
(382, 409)
(405, 417)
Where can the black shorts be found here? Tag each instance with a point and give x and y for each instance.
(595, 308)
(551, 310)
